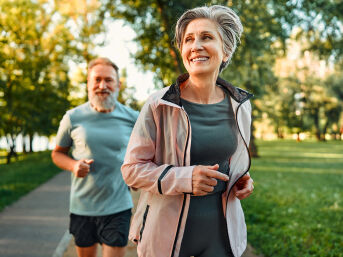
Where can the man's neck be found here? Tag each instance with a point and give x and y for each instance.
(102, 110)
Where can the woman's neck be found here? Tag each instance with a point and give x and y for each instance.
(201, 89)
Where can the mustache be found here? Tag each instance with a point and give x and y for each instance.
(103, 91)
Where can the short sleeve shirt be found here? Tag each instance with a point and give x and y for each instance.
(102, 137)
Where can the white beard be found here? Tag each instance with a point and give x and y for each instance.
(103, 103)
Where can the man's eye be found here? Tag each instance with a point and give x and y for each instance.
(98, 80)
(109, 80)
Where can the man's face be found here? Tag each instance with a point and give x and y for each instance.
(103, 86)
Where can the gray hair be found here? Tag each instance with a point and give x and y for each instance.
(103, 61)
(229, 26)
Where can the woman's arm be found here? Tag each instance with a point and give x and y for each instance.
(139, 169)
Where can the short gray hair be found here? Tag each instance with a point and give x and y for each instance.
(103, 61)
(229, 26)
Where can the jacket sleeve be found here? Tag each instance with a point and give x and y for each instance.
(139, 169)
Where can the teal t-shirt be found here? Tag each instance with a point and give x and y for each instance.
(102, 137)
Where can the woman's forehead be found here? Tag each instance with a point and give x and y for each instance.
(201, 26)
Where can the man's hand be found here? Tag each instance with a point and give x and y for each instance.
(244, 187)
(204, 179)
(82, 167)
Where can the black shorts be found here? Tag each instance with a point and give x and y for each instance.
(112, 230)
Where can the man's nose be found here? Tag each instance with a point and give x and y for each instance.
(102, 84)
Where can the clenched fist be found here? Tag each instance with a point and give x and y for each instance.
(244, 187)
(82, 167)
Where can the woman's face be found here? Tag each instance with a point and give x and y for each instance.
(202, 48)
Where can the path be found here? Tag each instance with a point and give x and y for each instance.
(34, 225)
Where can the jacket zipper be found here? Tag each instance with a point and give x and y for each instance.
(246, 146)
(184, 195)
(143, 223)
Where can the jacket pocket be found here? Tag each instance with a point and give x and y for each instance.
(143, 223)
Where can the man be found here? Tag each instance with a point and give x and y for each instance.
(97, 133)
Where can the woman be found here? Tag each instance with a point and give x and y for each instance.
(189, 148)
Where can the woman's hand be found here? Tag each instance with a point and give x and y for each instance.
(204, 179)
(244, 187)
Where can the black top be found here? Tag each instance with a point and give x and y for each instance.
(214, 134)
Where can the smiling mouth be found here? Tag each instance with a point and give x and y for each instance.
(199, 59)
(102, 94)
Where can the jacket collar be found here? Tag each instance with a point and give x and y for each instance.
(173, 94)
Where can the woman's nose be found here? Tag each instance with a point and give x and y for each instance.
(197, 45)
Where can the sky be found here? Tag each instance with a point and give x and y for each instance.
(120, 45)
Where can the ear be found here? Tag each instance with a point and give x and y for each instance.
(225, 58)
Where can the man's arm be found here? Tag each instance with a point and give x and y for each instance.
(60, 157)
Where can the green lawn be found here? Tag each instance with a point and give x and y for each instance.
(297, 205)
(19, 178)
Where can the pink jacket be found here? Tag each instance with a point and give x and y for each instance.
(158, 162)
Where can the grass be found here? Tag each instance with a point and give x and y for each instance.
(297, 205)
(3, 157)
(19, 178)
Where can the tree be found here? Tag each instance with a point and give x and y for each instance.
(262, 40)
(335, 84)
(126, 93)
(154, 22)
(322, 108)
(321, 22)
(33, 73)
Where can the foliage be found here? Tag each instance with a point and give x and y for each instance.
(33, 69)
(126, 93)
(322, 24)
(19, 178)
(38, 42)
(297, 208)
(84, 19)
(263, 39)
(154, 22)
(322, 108)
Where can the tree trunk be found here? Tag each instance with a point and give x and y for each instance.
(252, 146)
(316, 124)
(30, 143)
(24, 145)
(11, 153)
(280, 133)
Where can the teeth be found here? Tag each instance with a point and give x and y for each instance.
(200, 59)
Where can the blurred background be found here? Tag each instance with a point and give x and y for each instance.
(290, 57)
